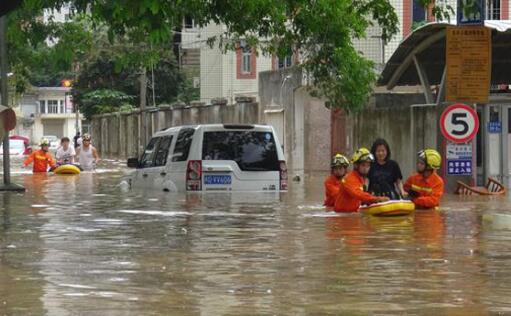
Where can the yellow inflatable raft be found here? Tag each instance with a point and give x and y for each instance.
(390, 208)
(67, 169)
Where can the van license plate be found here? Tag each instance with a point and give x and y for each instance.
(221, 180)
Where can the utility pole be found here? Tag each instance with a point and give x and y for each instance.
(5, 97)
(5, 101)
(143, 102)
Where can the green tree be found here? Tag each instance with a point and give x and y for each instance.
(37, 62)
(105, 73)
(105, 101)
(321, 30)
(80, 49)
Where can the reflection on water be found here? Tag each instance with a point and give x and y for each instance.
(79, 245)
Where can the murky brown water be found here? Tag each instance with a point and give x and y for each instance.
(78, 245)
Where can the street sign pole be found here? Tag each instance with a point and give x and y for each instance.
(5, 99)
(7, 186)
(459, 125)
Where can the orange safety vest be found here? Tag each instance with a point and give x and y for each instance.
(41, 160)
(332, 188)
(429, 190)
(352, 194)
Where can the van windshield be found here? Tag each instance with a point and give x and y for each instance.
(252, 151)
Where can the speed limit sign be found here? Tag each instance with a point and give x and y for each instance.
(459, 123)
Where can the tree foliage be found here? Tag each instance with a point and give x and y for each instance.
(107, 73)
(105, 101)
(43, 53)
(321, 30)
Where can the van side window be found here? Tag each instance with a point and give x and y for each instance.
(183, 143)
(162, 152)
(147, 159)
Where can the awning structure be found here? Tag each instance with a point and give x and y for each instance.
(420, 58)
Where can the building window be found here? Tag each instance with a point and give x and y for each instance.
(62, 110)
(493, 10)
(189, 23)
(418, 13)
(284, 62)
(246, 55)
(245, 62)
(53, 106)
(42, 107)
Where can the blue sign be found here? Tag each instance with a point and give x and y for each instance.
(470, 12)
(495, 127)
(459, 167)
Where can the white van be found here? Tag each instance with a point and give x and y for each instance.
(213, 157)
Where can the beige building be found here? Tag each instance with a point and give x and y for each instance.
(222, 75)
(48, 111)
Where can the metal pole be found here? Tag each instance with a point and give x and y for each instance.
(77, 119)
(143, 102)
(5, 99)
(153, 84)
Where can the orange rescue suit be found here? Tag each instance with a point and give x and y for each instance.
(332, 188)
(352, 194)
(428, 190)
(41, 160)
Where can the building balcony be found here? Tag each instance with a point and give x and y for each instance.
(57, 115)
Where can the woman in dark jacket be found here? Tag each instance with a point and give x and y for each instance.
(385, 178)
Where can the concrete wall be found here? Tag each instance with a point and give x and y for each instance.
(276, 93)
(120, 135)
(317, 127)
(306, 119)
(309, 124)
(407, 130)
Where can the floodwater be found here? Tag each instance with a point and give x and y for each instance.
(79, 245)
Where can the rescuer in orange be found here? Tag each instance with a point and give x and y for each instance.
(352, 193)
(339, 167)
(41, 158)
(426, 187)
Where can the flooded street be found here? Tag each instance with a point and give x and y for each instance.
(79, 245)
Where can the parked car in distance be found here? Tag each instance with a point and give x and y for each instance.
(16, 148)
(212, 157)
(54, 142)
(26, 143)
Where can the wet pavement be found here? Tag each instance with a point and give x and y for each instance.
(80, 245)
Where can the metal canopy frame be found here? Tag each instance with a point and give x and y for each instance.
(420, 57)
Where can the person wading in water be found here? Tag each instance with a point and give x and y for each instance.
(41, 158)
(385, 178)
(426, 187)
(339, 168)
(86, 154)
(352, 193)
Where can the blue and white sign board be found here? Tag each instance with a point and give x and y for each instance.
(459, 151)
(459, 167)
(459, 159)
(470, 12)
(495, 127)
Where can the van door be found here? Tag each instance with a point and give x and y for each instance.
(179, 159)
(158, 176)
(146, 163)
(152, 172)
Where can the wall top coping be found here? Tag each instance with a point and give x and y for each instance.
(175, 106)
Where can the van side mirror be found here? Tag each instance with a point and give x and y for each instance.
(132, 163)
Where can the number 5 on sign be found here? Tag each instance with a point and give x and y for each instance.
(459, 123)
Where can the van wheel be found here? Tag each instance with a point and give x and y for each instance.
(166, 190)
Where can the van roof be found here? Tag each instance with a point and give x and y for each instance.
(215, 126)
